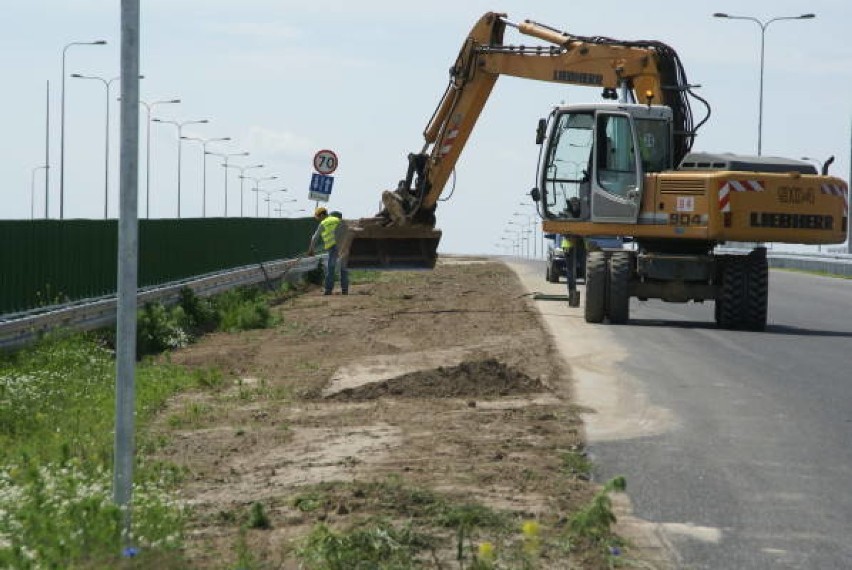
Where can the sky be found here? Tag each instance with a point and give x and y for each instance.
(285, 79)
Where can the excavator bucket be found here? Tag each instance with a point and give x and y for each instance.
(372, 246)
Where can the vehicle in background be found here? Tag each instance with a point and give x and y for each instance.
(556, 265)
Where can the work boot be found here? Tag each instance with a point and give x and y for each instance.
(326, 292)
(574, 299)
(344, 292)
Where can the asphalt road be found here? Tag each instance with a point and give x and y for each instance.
(753, 468)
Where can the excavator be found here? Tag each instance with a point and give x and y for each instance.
(623, 167)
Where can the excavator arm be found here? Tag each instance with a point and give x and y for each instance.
(403, 234)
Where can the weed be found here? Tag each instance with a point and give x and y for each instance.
(373, 544)
(595, 520)
(200, 312)
(310, 501)
(243, 309)
(258, 517)
(159, 329)
(576, 464)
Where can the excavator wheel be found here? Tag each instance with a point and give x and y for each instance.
(745, 292)
(619, 282)
(730, 305)
(758, 292)
(596, 278)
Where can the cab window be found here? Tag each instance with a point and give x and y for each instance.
(654, 141)
(616, 158)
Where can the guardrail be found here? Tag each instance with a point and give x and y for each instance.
(21, 328)
(835, 264)
(831, 263)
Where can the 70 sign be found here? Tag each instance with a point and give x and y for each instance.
(325, 161)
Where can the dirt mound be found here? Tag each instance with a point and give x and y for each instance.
(483, 378)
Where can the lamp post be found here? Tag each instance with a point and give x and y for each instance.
(256, 188)
(180, 125)
(107, 83)
(62, 126)
(280, 203)
(225, 156)
(148, 108)
(531, 224)
(242, 170)
(32, 193)
(522, 229)
(763, 26)
(204, 143)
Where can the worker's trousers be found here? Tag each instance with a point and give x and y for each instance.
(330, 270)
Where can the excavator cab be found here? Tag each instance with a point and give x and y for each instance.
(596, 157)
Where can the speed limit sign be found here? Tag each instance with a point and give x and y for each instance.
(325, 161)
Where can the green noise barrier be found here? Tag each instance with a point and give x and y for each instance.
(48, 262)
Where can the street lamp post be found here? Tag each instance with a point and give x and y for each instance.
(148, 108)
(225, 156)
(531, 224)
(280, 203)
(62, 126)
(32, 193)
(107, 83)
(242, 177)
(763, 26)
(204, 143)
(257, 182)
(180, 125)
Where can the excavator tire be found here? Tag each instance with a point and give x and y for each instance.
(758, 293)
(734, 290)
(619, 283)
(596, 278)
(745, 292)
(552, 273)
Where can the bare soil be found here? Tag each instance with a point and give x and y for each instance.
(353, 406)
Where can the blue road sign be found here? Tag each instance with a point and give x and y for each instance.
(320, 189)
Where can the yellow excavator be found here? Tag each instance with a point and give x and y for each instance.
(623, 168)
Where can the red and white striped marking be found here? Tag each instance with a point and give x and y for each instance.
(737, 186)
(838, 190)
(448, 141)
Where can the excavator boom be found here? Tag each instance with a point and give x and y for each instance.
(402, 235)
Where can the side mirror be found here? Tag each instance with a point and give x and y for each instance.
(535, 194)
(540, 131)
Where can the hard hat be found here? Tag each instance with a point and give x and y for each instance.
(320, 212)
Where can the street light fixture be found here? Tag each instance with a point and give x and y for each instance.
(148, 108)
(242, 176)
(763, 26)
(107, 84)
(257, 189)
(531, 224)
(225, 156)
(204, 143)
(180, 125)
(62, 126)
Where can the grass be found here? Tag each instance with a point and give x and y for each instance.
(56, 422)
(56, 439)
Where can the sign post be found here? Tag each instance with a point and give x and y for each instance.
(325, 163)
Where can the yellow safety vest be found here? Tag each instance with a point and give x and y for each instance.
(566, 244)
(329, 227)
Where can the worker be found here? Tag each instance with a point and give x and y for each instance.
(330, 232)
(569, 249)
